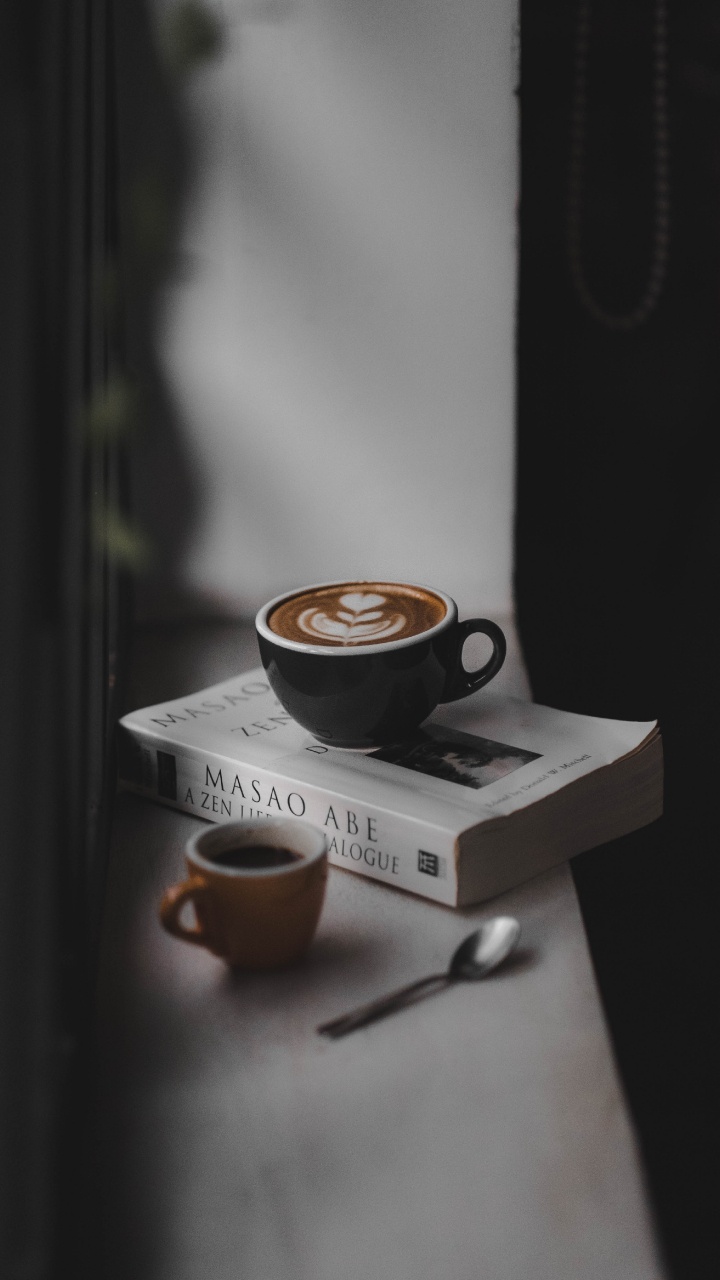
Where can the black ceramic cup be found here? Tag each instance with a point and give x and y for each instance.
(364, 695)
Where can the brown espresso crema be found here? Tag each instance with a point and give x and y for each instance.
(355, 613)
(254, 857)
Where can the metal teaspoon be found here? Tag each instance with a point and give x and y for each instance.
(479, 953)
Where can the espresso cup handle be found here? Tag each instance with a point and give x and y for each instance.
(173, 901)
(461, 682)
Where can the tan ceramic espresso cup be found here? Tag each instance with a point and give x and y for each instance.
(252, 917)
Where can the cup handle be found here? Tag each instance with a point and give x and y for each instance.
(461, 682)
(173, 901)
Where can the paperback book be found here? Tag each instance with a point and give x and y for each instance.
(486, 794)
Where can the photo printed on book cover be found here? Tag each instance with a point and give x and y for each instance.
(456, 757)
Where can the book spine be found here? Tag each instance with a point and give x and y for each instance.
(393, 848)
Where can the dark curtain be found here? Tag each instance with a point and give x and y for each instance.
(63, 471)
(95, 162)
(617, 543)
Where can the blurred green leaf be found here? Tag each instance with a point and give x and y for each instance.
(124, 542)
(112, 410)
(150, 211)
(190, 33)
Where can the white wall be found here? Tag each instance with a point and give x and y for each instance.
(342, 351)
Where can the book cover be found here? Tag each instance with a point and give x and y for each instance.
(403, 814)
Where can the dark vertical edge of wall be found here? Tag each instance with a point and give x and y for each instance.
(618, 540)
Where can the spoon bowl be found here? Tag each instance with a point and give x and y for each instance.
(486, 948)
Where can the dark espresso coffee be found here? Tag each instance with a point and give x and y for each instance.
(355, 613)
(255, 857)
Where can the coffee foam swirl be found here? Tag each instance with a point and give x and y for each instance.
(361, 617)
(349, 615)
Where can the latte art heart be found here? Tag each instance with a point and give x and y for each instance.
(348, 615)
(359, 601)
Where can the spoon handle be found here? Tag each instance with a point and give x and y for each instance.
(380, 1008)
